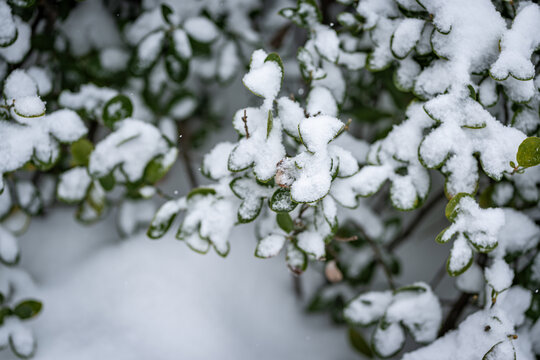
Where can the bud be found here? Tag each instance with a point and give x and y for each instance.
(332, 272)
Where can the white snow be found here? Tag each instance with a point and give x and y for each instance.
(131, 147)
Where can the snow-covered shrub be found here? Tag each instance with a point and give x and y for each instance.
(365, 118)
(462, 101)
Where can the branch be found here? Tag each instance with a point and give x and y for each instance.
(379, 258)
(244, 119)
(279, 36)
(461, 304)
(186, 156)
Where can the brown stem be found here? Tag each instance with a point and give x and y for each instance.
(379, 258)
(297, 286)
(185, 145)
(455, 312)
(438, 276)
(244, 119)
(461, 303)
(278, 38)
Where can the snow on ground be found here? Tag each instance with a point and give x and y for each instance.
(106, 298)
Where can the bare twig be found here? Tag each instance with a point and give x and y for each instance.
(346, 239)
(244, 119)
(438, 276)
(185, 145)
(163, 194)
(278, 38)
(379, 257)
(461, 303)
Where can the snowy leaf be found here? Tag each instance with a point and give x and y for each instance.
(164, 217)
(22, 342)
(252, 195)
(281, 201)
(116, 109)
(296, 259)
(8, 30)
(131, 148)
(270, 246)
(311, 242)
(214, 163)
(148, 52)
(181, 46)
(201, 29)
(210, 216)
(367, 308)
(265, 75)
(9, 248)
(305, 14)
(518, 44)
(405, 37)
(73, 185)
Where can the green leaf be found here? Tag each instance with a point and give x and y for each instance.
(9, 41)
(201, 191)
(249, 210)
(27, 309)
(452, 208)
(166, 12)
(107, 182)
(285, 222)
(117, 108)
(281, 201)
(359, 343)
(269, 123)
(529, 152)
(155, 170)
(80, 152)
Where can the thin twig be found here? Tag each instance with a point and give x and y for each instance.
(163, 194)
(438, 276)
(461, 303)
(278, 38)
(185, 145)
(455, 312)
(244, 119)
(346, 239)
(297, 286)
(379, 258)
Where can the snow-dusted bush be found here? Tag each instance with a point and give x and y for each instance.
(369, 114)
